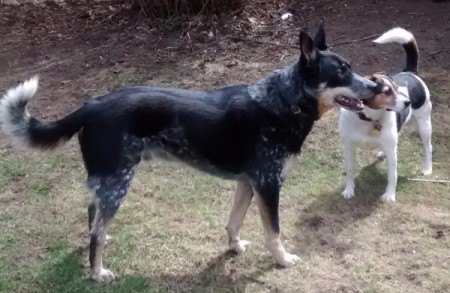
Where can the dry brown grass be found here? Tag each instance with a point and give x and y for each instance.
(170, 237)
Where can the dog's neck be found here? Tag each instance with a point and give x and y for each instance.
(281, 90)
(373, 114)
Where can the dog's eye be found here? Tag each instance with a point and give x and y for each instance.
(388, 91)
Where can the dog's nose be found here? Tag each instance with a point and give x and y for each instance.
(407, 103)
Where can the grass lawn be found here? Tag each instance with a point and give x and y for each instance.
(169, 235)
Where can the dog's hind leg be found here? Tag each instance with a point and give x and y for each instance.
(267, 197)
(96, 246)
(391, 158)
(91, 216)
(109, 192)
(422, 121)
(241, 203)
(91, 212)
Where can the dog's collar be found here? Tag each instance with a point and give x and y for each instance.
(375, 132)
(363, 117)
(295, 109)
(298, 111)
(300, 106)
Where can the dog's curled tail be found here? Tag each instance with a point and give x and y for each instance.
(406, 38)
(24, 130)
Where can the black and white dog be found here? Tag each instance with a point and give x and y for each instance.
(248, 133)
(404, 96)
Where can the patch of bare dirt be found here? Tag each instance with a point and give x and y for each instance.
(78, 47)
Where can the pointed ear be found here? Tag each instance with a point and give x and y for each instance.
(309, 54)
(320, 38)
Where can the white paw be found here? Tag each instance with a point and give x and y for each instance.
(103, 276)
(381, 155)
(348, 193)
(289, 260)
(240, 246)
(388, 196)
(427, 172)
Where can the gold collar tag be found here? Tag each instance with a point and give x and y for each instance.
(376, 131)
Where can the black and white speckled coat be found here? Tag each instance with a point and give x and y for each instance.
(248, 133)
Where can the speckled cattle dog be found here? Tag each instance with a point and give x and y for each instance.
(248, 133)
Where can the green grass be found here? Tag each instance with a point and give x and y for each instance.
(65, 273)
(169, 235)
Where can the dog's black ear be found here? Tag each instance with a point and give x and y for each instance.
(320, 38)
(309, 53)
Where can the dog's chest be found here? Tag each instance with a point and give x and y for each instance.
(365, 134)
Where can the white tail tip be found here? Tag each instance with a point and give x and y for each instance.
(395, 35)
(23, 91)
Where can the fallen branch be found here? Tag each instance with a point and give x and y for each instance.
(432, 54)
(115, 13)
(340, 37)
(236, 39)
(320, 4)
(380, 10)
(355, 41)
(429, 180)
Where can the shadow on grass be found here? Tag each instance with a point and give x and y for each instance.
(217, 276)
(65, 272)
(318, 229)
(322, 221)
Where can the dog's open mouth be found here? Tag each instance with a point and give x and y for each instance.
(350, 103)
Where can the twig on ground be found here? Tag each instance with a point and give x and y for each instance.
(429, 180)
(157, 43)
(237, 39)
(355, 41)
(380, 10)
(338, 38)
(203, 8)
(432, 54)
(320, 4)
(114, 13)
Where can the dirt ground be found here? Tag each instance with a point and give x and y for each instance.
(78, 49)
(81, 49)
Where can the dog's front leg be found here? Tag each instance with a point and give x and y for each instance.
(349, 162)
(267, 197)
(391, 158)
(242, 200)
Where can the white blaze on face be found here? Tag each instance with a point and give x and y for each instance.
(328, 95)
